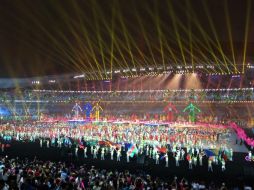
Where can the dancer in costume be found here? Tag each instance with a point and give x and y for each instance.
(166, 159)
(169, 110)
(41, 143)
(76, 151)
(192, 112)
(190, 163)
(102, 154)
(210, 167)
(200, 156)
(95, 151)
(97, 108)
(177, 159)
(85, 151)
(128, 156)
(157, 158)
(118, 155)
(223, 165)
(250, 154)
(112, 153)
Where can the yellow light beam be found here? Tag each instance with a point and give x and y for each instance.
(246, 34)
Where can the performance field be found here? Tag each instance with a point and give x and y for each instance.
(126, 95)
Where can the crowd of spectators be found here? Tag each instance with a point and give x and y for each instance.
(157, 95)
(35, 174)
(29, 104)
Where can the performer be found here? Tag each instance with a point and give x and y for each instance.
(112, 153)
(197, 150)
(102, 154)
(147, 150)
(231, 154)
(157, 158)
(17, 137)
(140, 148)
(76, 151)
(76, 109)
(169, 110)
(92, 151)
(195, 160)
(59, 143)
(223, 165)
(53, 142)
(177, 160)
(250, 154)
(166, 159)
(216, 160)
(154, 153)
(190, 163)
(200, 156)
(85, 151)
(151, 152)
(118, 155)
(95, 152)
(192, 112)
(97, 109)
(192, 151)
(128, 157)
(41, 142)
(182, 154)
(188, 157)
(210, 167)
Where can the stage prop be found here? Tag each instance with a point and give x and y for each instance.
(192, 112)
(170, 109)
(88, 109)
(76, 109)
(97, 108)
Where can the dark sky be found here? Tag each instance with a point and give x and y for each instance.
(44, 37)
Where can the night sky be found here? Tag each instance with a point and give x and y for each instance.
(45, 37)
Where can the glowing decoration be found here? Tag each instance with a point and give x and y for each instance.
(88, 109)
(192, 112)
(97, 108)
(249, 159)
(76, 109)
(242, 135)
(169, 110)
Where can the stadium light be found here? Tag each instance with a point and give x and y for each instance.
(79, 76)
